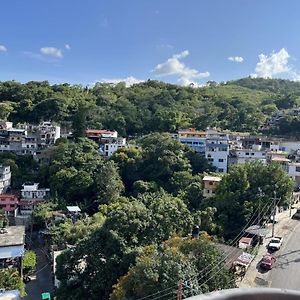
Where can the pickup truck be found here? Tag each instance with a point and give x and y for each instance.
(275, 243)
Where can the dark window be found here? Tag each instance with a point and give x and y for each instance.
(221, 159)
(297, 169)
(221, 170)
(210, 183)
(247, 153)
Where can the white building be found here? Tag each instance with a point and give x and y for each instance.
(108, 149)
(217, 150)
(48, 133)
(32, 191)
(294, 172)
(5, 178)
(249, 155)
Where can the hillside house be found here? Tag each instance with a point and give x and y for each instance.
(5, 178)
(210, 184)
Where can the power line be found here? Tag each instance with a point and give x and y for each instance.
(220, 269)
(239, 235)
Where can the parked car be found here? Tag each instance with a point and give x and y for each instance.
(268, 261)
(275, 243)
(296, 214)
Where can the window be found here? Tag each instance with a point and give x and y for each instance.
(211, 183)
(221, 170)
(207, 191)
(209, 155)
(247, 153)
(12, 205)
(297, 169)
(210, 159)
(221, 159)
(252, 153)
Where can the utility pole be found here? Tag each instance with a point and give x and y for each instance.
(259, 212)
(274, 214)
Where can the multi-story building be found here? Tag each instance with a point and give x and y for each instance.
(5, 178)
(217, 150)
(32, 195)
(108, 140)
(32, 191)
(210, 184)
(27, 139)
(242, 156)
(194, 138)
(48, 133)
(294, 172)
(109, 148)
(9, 204)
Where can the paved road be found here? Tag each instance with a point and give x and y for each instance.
(287, 268)
(43, 282)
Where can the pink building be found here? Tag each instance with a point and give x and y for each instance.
(9, 204)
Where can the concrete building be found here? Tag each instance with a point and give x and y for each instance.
(217, 150)
(248, 155)
(109, 148)
(5, 178)
(9, 204)
(108, 140)
(27, 139)
(48, 133)
(32, 191)
(194, 138)
(210, 184)
(12, 240)
(32, 196)
(294, 172)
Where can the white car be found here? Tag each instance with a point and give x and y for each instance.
(275, 243)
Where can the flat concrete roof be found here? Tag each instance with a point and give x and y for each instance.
(15, 235)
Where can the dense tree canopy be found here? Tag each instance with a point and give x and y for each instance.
(247, 186)
(148, 106)
(159, 270)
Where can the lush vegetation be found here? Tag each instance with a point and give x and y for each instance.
(138, 206)
(10, 279)
(242, 105)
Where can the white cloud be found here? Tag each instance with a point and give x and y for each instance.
(273, 64)
(238, 59)
(130, 80)
(67, 46)
(52, 51)
(3, 48)
(173, 66)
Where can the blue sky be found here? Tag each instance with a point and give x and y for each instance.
(84, 41)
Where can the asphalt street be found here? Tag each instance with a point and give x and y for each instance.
(286, 272)
(43, 282)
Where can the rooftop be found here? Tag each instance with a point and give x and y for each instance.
(14, 236)
(212, 178)
(73, 209)
(280, 159)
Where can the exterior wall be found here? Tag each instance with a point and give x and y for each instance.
(294, 172)
(194, 142)
(33, 192)
(108, 149)
(217, 152)
(209, 188)
(5, 178)
(248, 155)
(9, 203)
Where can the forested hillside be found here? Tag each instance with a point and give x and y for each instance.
(243, 105)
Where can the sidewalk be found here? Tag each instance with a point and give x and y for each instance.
(253, 277)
